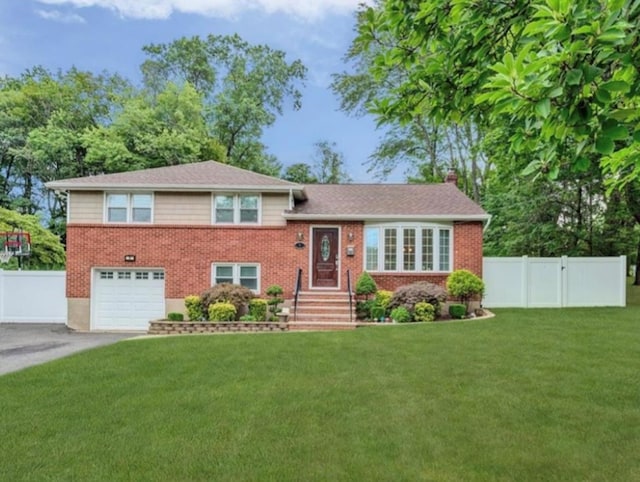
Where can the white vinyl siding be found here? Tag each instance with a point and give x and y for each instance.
(402, 248)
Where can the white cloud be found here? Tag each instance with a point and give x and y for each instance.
(57, 16)
(161, 9)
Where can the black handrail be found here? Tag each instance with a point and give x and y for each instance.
(296, 293)
(350, 293)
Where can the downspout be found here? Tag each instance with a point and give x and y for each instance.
(486, 226)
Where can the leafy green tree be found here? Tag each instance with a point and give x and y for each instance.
(329, 164)
(46, 250)
(300, 173)
(244, 88)
(561, 73)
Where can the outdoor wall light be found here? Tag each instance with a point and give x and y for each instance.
(300, 237)
(350, 236)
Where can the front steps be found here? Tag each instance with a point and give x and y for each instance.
(323, 310)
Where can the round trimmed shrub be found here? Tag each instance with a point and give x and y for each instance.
(383, 298)
(424, 312)
(175, 316)
(222, 311)
(464, 285)
(408, 295)
(401, 315)
(258, 309)
(457, 311)
(238, 295)
(194, 307)
(365, 285)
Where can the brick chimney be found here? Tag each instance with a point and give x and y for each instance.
(452, 177)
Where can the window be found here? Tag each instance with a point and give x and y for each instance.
(129, 208)
(236, 209)
(247, 275)
(417, 248)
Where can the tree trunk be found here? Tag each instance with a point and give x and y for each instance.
(636, 281)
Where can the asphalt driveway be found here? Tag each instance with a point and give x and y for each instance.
(23, 345)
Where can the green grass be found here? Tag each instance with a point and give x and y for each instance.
(529, 395)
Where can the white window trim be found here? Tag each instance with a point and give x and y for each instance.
(236, 273)
(236, 208)
(129, 195)
(399, 227)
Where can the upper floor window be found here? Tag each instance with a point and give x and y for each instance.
(129, 208)
(399, 248)
(236, 209)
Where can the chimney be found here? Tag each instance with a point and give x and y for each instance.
(452, 177)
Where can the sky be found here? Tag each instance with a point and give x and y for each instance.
(98, 35)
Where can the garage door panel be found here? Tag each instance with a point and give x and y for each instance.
(127, 299)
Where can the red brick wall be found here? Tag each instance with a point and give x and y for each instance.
(186, 254)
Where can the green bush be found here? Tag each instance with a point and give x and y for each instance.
(238, 295)
(258, 309)
(248, 318)
(383, 298)
(195, 310)
(222, 311)
(457, 311)
(377, 312)
(424, 312)
(174, 316)
(464, 285)
(363, 309)
(400, 315)
(408, 295)
(365, 285)
(275, 293)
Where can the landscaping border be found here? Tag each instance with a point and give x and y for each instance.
(160, 327)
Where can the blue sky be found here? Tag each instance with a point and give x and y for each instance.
(108, 35)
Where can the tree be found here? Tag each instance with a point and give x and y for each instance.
(46, 250)
(300, 173)
(329, 164)
(561, 73)
(244, 88)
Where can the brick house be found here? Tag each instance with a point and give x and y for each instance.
(139, 242)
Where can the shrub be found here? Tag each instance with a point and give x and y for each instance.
(377, 312)
(408, 295)
(174, 316)
(275, 292)
(194, 307)
(222, 311)
(464, 285)
(248, 318)
(258, 309)
(401, 315)
(365, 285)
(363, 309)
(239, 296)
(424, 312)
(383, 298)
(457, 311)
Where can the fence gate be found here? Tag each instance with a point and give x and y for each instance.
(554, 282)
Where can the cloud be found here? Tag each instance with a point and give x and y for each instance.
(57, 16)
(309, 10)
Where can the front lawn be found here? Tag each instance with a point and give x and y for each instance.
(529, 395)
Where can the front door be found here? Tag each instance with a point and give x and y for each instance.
(325, 257)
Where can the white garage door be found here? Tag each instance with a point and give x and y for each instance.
(127, 299)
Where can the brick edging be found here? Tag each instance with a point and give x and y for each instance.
(185, 327)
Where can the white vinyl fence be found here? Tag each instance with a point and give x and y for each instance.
(554, 282)
(33, 297)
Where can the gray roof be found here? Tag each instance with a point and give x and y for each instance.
(208, 175)
(379, 201)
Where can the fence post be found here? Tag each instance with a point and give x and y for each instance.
(525, 281)
(1, 295)
(623, 280)
(564, 281)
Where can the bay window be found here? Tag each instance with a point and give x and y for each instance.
(408, 248)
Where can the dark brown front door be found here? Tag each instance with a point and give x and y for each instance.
(325, 257)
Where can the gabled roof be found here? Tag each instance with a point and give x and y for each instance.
(197, 176)
(386, 201)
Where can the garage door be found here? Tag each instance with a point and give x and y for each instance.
(127, 299)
